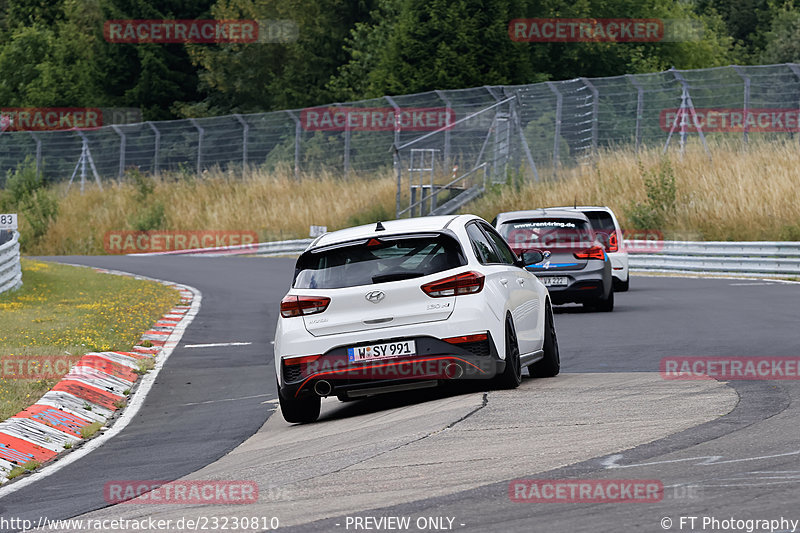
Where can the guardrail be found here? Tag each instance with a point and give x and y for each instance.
(10, 271)
(764, 258)
(769, 259)
(296, 246)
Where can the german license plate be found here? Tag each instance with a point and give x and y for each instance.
(554, 281)
(386, 350)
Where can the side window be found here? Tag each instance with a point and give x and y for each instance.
(483, 248)
(506, 255)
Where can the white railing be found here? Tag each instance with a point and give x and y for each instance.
(10, 271)
(764, 258)
(296, 246)
(770, 259)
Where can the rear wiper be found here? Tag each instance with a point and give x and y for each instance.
(396, 276)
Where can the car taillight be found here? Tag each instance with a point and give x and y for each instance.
(303, 305)
(595, 252)
(613, 244)
(466, 283)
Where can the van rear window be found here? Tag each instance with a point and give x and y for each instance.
(600, 220)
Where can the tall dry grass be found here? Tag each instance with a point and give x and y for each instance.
(751, 194)
(274, 205)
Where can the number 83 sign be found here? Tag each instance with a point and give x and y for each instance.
(8, 221)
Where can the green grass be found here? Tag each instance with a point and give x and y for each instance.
(30, 466)
(69, 311)
(87, 432)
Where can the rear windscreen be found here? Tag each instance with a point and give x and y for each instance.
(600, 220)
(546, 233)
(381, 260)
(603, 225)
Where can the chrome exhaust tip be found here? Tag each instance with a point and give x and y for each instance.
(323, 388)
(453, 371)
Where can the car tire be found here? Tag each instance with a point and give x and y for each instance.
(606, 305)
(621, 286)
(512, 373)
(299, 410)
(550, 364)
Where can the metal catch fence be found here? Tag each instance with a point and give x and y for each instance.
(525, 130)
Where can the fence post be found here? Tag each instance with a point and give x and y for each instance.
(448, 109)
(346, 164)
(399, 174)
(686, 104)
(746, 107)
(796, 71)
(156, 146)
(397, 112)
(298, 134)
(559, 102)
(595, 110)
(245, 131)
(200, 133)
(38, 142)
(122, 143)
(639, 110)
(517, 117)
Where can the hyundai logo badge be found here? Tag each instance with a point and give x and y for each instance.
(375, 296)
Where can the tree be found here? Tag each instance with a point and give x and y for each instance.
(706, 48)
(276, 75)
(55, 65)
(151, 76)
(442, 44)
(782, 41)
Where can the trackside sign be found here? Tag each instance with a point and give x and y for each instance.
(8, 221)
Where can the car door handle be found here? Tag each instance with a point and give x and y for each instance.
(504, 282)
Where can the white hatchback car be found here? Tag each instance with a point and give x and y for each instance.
(605, 224)
(408, 304)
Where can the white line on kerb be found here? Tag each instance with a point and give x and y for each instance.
(133, 406)
(217, 344)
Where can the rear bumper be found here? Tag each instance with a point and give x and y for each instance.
(587, 285)
(619, 265)
(436, 361)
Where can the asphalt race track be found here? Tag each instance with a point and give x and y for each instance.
(720, 449)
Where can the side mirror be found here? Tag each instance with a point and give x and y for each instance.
(532, 257)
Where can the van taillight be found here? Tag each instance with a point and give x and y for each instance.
(595, 252)
(303, 305)
(466, 283)
(613, 243)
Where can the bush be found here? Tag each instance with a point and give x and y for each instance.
(661, 198)
(26, 192)
(152, 214)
